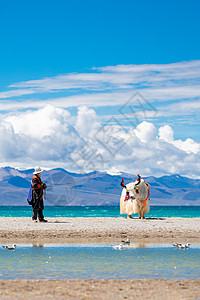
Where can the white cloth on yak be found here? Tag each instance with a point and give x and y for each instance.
(132, 206)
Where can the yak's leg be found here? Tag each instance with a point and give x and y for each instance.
(129, 216)
(139, 215)
(142, 213)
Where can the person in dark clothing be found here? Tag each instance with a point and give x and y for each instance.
(37, 195)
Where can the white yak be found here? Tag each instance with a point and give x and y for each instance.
(135, 198)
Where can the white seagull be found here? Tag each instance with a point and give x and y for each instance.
(117, 247)
(182, 246)
(9, 247)
(127, 242)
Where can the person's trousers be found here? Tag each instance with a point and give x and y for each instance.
(37, 212)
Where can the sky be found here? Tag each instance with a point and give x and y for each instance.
(100, 85)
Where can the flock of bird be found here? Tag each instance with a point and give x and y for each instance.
(127, 242)
(116, 247)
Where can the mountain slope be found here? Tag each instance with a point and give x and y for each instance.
(96, 188)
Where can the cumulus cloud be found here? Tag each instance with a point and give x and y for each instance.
(41, 135)
(188, 146)
(41, 130)
(87, 121)
(146, 132)
(168, 90)
(47, 137)
(10, 143)
(43, 122)
(166, 133)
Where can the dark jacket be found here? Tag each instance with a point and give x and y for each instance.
(37, 192)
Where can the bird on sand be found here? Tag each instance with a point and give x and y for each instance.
(117, 247)
(182, 246)
(9, 247)
(127, 242)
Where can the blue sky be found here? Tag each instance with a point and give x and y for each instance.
(87, 59)
(46, 38)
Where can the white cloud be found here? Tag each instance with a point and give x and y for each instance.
(180, 70)
(41, 135)
(166, 133)
(41, 131)
(11, 144)
(179, 80)
(185, 108)
(188, 146)
(146, 132)
(39, 123)
(45, 137)
(16, 93)
(87, 121)
(172, 89)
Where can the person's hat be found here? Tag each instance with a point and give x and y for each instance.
(37, 170)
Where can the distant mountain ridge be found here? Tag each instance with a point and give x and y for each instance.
(95, 188)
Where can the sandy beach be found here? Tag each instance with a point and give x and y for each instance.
(86, 230)
(100, 289)
(162, 230)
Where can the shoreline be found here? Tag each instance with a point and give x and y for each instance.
(99, 229)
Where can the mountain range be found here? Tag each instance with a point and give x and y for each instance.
(96, 188)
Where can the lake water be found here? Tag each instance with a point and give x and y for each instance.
(99, 261)
(99, 211)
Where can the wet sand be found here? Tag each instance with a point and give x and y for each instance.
(82, 230)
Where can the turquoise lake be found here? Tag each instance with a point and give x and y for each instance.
(99, 261)
(99, 211)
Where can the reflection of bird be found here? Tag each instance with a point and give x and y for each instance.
(182, 246)
(38, 245)
(127, 242)
(9, 247)
(117, 247)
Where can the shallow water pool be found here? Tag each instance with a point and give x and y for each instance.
(99, 261)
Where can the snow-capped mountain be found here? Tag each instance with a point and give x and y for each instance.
(96, 188)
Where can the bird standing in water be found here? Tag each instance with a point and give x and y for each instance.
(182, 246)
(117, 247)
(9, 247)
(127, 242)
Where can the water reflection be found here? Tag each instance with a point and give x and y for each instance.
(39, 245)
